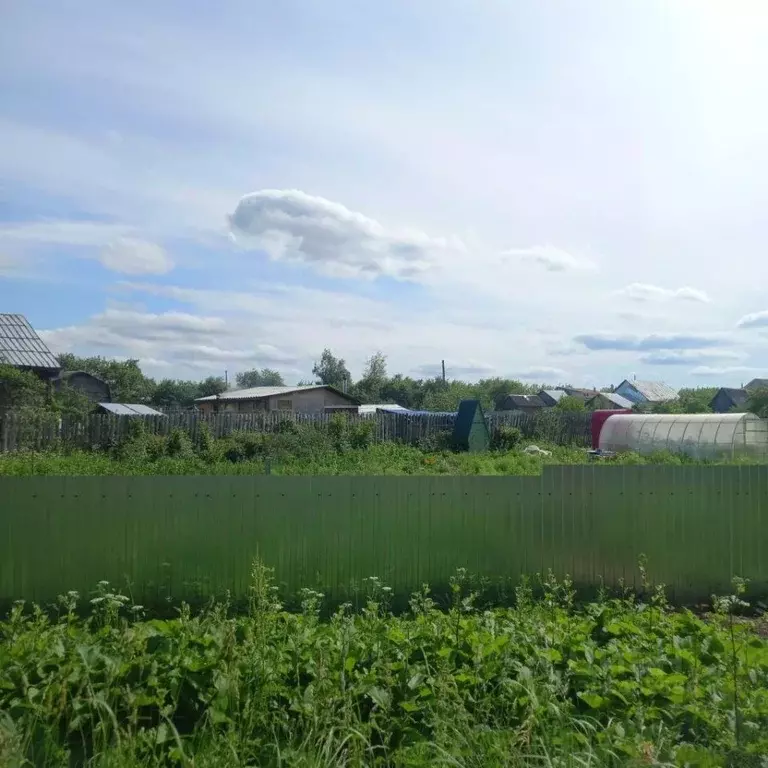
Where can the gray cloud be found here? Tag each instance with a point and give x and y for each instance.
(688, 357)
(628, 343)
(294, 226)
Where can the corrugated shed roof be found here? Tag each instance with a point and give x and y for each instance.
(22, 347)
(555, 394)
(737, 396)
(129, 409)
(525, 401)
(254, 393)
(757, 384)
(617, 400)
(654, 391)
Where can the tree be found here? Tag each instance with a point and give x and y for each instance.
(126, 381)
(20, 388)
(176, 393)
(402, 390)
(758, 403)
(213, 385)
(331, 370)
(691, 400)
(490, 391)
(369, 388)
(266, 377)
(571, 404)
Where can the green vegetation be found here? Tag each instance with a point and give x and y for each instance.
(621, 681)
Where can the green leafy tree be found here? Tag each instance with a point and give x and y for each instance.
(21, 388)
(571, 404)
(690, 400)
(126, 381)
(175, 393)
(266, 377)
(402, 390)
(331, 370)
(370, 386)
(213, 385)
(758, 403)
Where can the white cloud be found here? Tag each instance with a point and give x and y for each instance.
(705, 370)
(540, 374)
(166, 340)
(111, 244)
(550, 258)
(689, 356)
(754, 320)
(294, 226)
(132, 256)
(455, 369)
(648, 292)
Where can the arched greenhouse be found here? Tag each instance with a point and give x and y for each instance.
(702, 436)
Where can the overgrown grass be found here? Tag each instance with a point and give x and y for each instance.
(621, 681)
(377, 459)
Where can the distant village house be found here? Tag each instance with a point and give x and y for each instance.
(319, 398)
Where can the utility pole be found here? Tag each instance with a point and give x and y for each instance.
(226, 380)
(443, 364)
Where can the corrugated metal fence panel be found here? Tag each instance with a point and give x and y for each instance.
(196, 536)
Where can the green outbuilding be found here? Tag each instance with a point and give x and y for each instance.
(470, 431)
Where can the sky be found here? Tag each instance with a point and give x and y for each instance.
(554, 190)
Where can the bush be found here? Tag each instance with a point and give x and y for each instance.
(361, 435)
(439, 440)
(505, 438)
(178, 445)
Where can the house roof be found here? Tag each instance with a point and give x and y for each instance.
(130, 409)
(654, 391)
(525, 401)
(736, 396)
(757, 384)
(256, 393)
(617, 400)
(554, 394)
(20, 346)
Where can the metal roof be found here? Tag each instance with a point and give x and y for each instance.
(654, 391)
(130, 409)
(526, 401)
(757, 384)
(554, 394)
(22, 347)
(617, 400)
(255, 393)
(737, 396)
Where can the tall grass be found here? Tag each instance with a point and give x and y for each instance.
(620, 681)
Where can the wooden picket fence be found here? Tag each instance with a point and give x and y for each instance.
(37, 431)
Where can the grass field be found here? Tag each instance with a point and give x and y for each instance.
(616, 682)
(379, 459)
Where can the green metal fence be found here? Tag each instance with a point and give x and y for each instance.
(193, 536)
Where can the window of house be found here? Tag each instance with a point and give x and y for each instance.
(285, 405)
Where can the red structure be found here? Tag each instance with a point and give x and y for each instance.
(598, 419)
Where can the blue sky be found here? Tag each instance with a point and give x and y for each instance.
(560, 191)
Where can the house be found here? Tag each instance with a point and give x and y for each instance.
(22, 348)
(524, 403)
(608, 401)
(729, 399)
(640, 392)
(311, 399)
(128, 409)
(95, 389)
(756, 384)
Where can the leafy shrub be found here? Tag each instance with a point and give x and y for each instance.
(179, 445)
(505, 438)
(439, 440)
(361, 435)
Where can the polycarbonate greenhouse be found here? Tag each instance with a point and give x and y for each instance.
(703, 436)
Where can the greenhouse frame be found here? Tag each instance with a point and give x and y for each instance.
(701, 436)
